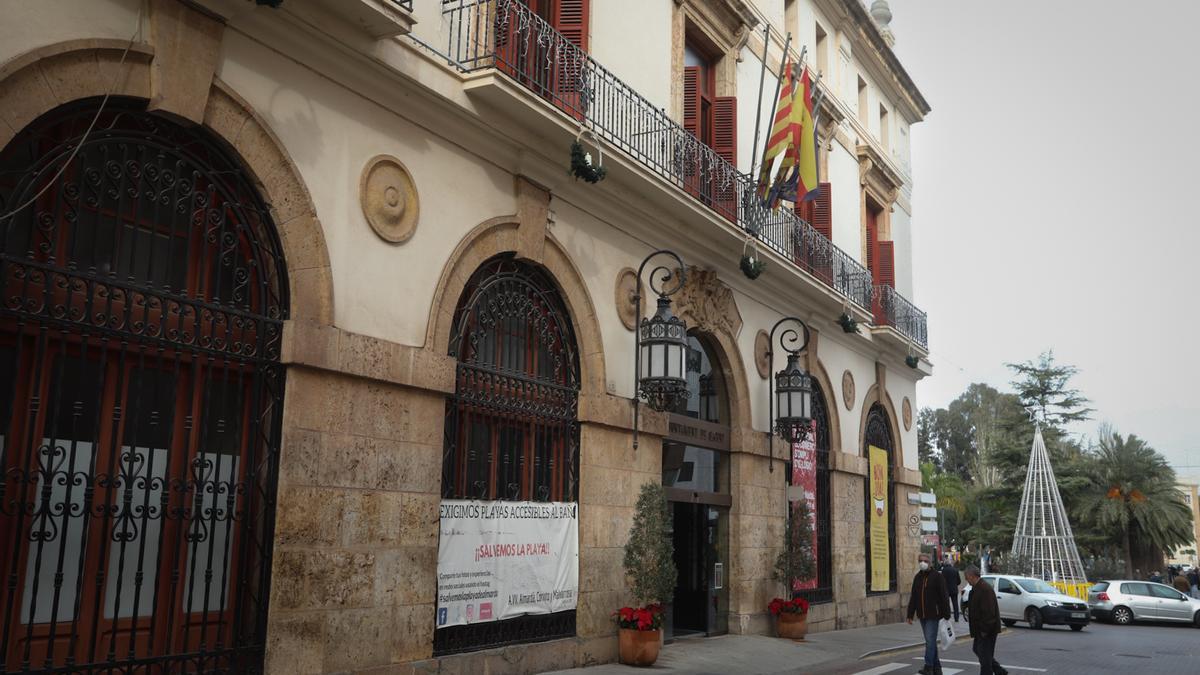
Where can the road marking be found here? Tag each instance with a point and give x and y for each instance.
(885, 668)
(975, 663)
(889, 667)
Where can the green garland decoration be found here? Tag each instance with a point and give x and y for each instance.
(912, 361)
(582, 168)
(847, 323)
(752, 267)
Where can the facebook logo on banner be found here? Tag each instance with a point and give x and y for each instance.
(443, 614)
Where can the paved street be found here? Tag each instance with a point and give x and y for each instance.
(1159, 649)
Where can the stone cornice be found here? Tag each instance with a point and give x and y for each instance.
(872, 51)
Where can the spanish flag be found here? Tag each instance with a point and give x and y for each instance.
(782, 134)
(797, 178)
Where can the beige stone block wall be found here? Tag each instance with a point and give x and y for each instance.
(756, 524)
(353, 580)
(611, 475)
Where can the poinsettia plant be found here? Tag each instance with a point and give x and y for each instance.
(795, 606)
(649, 617)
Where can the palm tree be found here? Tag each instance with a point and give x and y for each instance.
(1134, 489)
(951, 494)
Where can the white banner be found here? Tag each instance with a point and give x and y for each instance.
(497, 560)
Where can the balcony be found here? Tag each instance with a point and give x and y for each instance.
(507, 36)
(889, 308)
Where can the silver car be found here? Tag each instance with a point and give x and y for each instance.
(1123, 602)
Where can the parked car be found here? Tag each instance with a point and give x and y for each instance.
(1035, 602)
(1124, 601)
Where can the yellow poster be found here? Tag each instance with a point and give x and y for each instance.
(880, 550)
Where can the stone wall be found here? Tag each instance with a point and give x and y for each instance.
(353, 580)
(756, 524)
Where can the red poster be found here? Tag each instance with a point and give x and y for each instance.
(804, 475)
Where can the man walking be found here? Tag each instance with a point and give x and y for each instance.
(929, 602)
(953, 581)
(984, 617)
(1194, 580)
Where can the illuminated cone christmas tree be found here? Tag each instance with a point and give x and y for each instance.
(1044, 541)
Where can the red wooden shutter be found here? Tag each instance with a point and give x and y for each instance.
(691, 99)
(572, 21)
(725, 145)
(885, 264)
(871, 221)
(821, 210)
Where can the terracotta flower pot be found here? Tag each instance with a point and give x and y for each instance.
(639, 647)
(791, 625)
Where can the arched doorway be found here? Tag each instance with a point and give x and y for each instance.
(878, 434)
(142, 295)
(696, 479)
(511, 431)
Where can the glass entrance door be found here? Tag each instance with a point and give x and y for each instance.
(701, 538)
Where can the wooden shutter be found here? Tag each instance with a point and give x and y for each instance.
(821, 211)
(871, 234)
(691, 99)
(725, 145)
(885, 264)
(572, 21)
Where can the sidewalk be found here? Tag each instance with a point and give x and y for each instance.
(762, 655)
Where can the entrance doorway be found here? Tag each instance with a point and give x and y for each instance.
(701, 550)
(695, 472)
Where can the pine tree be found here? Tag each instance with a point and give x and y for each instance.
(797, 561)
(650, 553)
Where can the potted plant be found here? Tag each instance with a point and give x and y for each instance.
(848, 323)
(796, 563)
(650, 572)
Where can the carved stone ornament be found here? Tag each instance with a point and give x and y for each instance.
(626, 286)
(389, 199)
(848, 390)
(762, 345)
(906, 413)
(708, 302)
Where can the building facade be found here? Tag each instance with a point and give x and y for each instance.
(1188, 553)
(283, 286)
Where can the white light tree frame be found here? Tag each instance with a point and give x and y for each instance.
(1044, 539)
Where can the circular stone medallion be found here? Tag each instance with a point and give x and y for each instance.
(906, 412)
(848, 390)
(389, 199)
(762, 345)
(626, 287)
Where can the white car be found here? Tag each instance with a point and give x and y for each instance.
(1034, 602)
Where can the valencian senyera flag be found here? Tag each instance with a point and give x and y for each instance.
(793, 135)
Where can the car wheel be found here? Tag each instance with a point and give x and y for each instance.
(1196, 620)
(1076, 627)
(1034, 618)
(1009, 622)
(1122, 616)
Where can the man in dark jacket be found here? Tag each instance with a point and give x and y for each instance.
(984, 617)
(929, 602)
(953, 581)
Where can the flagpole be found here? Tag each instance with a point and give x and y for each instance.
(774, 100)
(762, 77)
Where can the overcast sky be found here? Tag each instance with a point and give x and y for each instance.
(1055, 196)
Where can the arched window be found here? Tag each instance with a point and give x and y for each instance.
(142, 294)
(511, 427)
(822, 591)
(879, 434)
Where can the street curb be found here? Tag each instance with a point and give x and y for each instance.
(906, 647)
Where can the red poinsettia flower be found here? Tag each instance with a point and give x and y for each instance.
(794, 606)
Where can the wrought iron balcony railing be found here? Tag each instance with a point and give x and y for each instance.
(508, 36)
(892, 309)
(404, 4)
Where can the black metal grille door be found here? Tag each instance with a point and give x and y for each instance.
(511, 428)
(824, 518)
(142, 295)
(879, 434)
